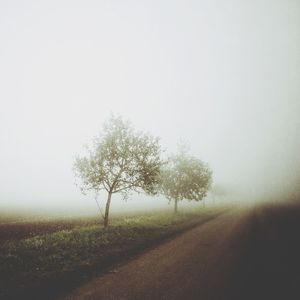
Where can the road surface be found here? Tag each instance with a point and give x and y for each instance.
(242, 254)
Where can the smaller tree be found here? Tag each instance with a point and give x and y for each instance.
(185, 177)
(120, 160)
(218, 191)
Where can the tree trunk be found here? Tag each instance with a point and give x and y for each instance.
(203, 202)
(175, 207)
(107, 209)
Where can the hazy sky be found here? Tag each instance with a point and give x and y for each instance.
(222, 75)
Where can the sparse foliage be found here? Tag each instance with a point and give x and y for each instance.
(185, 177)
(121, 160)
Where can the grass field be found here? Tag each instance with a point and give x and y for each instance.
(50, 257)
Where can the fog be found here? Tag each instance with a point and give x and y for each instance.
(221, 75)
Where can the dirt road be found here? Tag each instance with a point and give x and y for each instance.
(242, 254)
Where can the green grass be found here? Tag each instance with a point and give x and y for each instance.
(88, 248)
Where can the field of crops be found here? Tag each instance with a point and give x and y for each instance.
(49, 257)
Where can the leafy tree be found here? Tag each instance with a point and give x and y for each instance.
(185, 177)
(120, 160)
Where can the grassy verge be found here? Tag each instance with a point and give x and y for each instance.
(45, 266)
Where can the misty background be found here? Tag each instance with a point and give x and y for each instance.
(221, 75)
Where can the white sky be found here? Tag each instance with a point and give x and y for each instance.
(222, 75)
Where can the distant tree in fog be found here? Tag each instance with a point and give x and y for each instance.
(185, 177)
(120, 160)
(218, 191)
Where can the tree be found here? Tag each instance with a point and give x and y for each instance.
(218, 191)
(120, 160)
(185, 177)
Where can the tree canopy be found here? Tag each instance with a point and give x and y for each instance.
(120, 160)
(185, 177)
